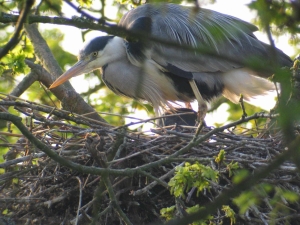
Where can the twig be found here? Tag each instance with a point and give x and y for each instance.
(60, 113)
(159, 181)
(134, 154)
(114, 201)
(249, 181)
(122, 32)
(80, 199)
(22, 159)
(20, 21)
(152, 184)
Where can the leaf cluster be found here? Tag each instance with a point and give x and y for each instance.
(281, 16)
(192, 176)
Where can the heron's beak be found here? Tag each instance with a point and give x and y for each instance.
(78, 69)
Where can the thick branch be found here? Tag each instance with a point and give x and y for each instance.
(70, 99)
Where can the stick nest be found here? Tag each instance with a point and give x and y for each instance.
(37, 190)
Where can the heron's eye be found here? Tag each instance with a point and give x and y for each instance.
(95, 54)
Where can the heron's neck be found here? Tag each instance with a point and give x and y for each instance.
(114, 50)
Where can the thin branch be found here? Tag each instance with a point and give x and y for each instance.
(244, 185)
(53, 111)
(20, 21)
(123, 32)
(154, 183)
(26, 82)
(129, 172)
(114, 201)
(22, 159)
(80, 199)
(84, 13)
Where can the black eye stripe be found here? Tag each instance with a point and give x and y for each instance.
(95, 45)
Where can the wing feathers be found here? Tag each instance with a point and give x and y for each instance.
(226, 35)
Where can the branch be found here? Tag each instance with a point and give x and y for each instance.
(20, 21)
(244, 185)
(27, 81)
(70, 99)
(113, 200)
(17, 121)
(123, 32)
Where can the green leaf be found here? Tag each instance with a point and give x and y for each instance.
(53, 6)
(246, 200)
(204, 221)
(229, 213)
(231, 167)
(168, 213)
(220, 157)
(240, 176)
(85, 2)
(192, 175)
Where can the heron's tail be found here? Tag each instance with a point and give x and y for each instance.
(240, 81)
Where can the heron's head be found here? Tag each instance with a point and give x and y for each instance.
(95, 54)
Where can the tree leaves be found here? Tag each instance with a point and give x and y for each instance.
(192, 175)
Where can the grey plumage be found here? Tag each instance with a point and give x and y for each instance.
(160, 74)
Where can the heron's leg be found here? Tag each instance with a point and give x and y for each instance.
(202, 107)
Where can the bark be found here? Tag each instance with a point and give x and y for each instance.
(70, 99)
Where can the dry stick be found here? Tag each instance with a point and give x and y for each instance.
(9, 175)
(151, 185)
(249, 181)
(80, 199)
(59, 113)
(162, 183)
(134, 154)
(104, 192)
(102, 161)
(21, 200)
(17, 121)
(114, 201)
(22, 159)
(222, 199)
(51, 188)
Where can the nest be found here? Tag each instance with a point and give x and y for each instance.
(35, 189)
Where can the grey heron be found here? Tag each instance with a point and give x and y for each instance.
(162, 74)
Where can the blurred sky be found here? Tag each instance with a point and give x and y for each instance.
(237, 8)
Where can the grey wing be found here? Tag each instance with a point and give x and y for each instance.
(222, 34)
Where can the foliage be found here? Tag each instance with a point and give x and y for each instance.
(260, 194)
(53, 6)
(229, 213)
(280, 16)
(192, 176)
(195, 176)
(167, 213)
(231, 167)
(85, 2)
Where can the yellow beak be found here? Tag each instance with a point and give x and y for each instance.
(78, 69)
